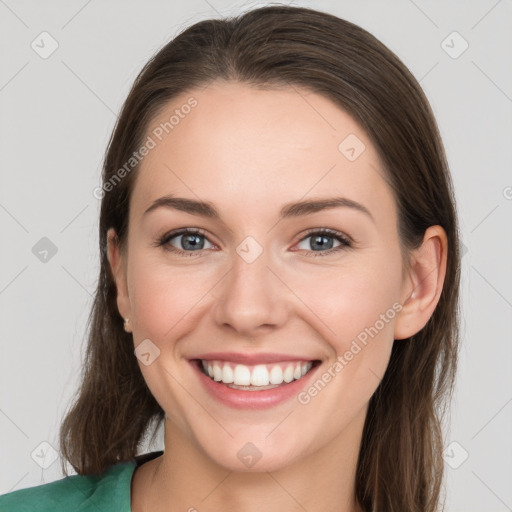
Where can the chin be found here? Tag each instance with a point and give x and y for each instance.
(243, 455)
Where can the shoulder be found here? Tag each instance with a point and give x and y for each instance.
(107, 491)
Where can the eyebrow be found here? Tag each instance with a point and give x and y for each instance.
(297, 209)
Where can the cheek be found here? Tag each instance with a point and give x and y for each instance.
(353, 298)
(164, 301)
(366, 323)
(357, 307)
(162, 296)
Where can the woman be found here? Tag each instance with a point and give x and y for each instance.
(303, 358)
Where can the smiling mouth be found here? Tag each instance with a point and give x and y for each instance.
(257, 377)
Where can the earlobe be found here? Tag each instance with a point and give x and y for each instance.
(424, 283)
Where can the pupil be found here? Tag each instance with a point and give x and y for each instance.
(321, 241)
(191, 240)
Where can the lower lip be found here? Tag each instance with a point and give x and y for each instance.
(252, 399)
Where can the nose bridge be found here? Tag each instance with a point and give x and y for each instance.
(251, 295)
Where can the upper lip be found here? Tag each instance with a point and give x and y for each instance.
(251, 359)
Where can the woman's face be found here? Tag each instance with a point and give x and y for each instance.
(256, 283)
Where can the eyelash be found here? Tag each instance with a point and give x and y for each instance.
(346, 242)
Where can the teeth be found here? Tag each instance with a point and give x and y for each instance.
(276, 375)
(227, 374)
(259, 375)
(242, 375)
(217, 372)
(288, 374)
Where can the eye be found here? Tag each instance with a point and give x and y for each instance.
(191, 240)
(320, 238)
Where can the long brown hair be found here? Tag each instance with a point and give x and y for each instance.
(400, 464)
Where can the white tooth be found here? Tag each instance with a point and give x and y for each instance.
(306, 367)
(217, 371)
(259, 375)
(227, 374)
(288, 373)
(242, 375)
(276, 375)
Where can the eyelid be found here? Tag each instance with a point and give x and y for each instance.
(346, 241)
(166, 237)
(329, 232)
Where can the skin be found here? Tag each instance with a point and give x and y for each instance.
(249, 152)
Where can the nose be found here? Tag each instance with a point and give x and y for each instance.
(252, 299)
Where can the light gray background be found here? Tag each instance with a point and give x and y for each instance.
(56, 118)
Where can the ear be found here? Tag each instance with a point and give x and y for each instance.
(118, 267)
(423, 284)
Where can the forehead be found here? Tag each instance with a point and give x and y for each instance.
(251, 150)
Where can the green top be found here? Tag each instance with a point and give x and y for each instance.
(109, 491)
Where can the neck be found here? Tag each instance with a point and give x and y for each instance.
(186, 479)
